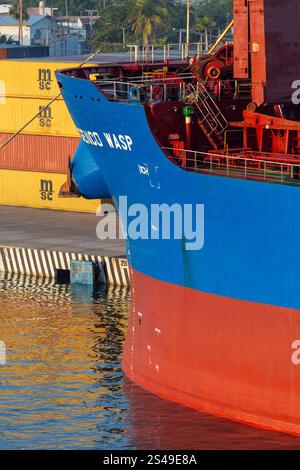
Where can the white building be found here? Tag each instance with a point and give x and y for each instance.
(42, 10)
(36, 30)
(82, 25)
(4, 9)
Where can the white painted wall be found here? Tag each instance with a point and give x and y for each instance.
(13, 31)
(4, 9)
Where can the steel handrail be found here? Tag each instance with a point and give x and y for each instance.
(180, 82)
(231, 157)
(208, 164)
(118, 94)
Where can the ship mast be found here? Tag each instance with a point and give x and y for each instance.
(187, 45)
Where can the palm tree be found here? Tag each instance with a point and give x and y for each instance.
(147, 16)
(6, 40)
(204, 24)
(14, 12)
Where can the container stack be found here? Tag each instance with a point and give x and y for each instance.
(33, 164)
(10, 51)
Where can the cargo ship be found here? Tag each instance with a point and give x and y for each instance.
(215, 328)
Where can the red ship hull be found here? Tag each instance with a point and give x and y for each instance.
(220, 355)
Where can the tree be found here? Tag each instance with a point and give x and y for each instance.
(219, 10)
(14, 12)
(204, 24)
(147, 15)
(146, 20)
(74, 7)
(108, 29)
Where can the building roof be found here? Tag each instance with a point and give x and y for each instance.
(37, 11)
(9, 21)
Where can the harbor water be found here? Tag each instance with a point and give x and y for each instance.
(62, 386)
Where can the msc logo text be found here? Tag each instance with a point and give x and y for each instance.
(45, 116)
(46, 190)
(44, 79)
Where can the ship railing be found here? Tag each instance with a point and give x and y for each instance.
(150, 53)
(139, 92)
(156, 76)
(270, 169)
(153, 89)
(219, 89)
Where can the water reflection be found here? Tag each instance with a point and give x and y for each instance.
(159, 424)
(62, 385)
(63, 388)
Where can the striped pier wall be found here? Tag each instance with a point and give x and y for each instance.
(45, 262)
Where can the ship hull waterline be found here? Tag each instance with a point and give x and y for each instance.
(214, 354)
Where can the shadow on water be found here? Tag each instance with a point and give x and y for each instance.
(62, 385)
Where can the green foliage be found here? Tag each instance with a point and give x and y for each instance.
(14, 11)
(157, 20)
(6, 40)
(146, 17)
(143, 20)
(204, 23)
(75, 7)
(108, 29)
(220, 11)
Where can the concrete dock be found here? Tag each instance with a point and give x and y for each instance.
(38, 242)
(54, 230)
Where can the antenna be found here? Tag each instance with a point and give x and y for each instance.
(187, 45)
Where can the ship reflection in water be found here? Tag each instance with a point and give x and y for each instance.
(62, 385)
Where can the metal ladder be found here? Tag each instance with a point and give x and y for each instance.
(211, 119)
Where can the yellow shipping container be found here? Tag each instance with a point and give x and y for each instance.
(20, 78)
(35, 189)
(55, 120)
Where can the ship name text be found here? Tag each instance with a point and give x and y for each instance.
(113, 141)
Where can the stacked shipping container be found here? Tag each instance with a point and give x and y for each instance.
(33, 165)
(10, 51)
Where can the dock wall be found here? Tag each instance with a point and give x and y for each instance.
(44, 263)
